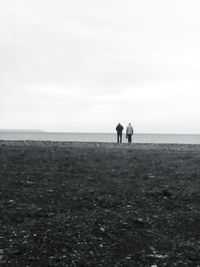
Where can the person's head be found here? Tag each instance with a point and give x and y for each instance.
(129, 123)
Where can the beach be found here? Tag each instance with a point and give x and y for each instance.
(99, 204)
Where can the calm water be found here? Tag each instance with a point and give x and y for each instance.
(101, 137)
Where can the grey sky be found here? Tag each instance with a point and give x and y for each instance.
(87, 65)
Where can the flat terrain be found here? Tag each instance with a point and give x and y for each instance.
(76, 204)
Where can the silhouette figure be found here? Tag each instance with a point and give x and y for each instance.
(129, 132)
(119, 130)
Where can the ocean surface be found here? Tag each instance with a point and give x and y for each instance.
(101, 137)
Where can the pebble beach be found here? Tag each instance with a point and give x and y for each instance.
(99, 204)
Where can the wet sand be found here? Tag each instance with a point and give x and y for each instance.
(99, 204)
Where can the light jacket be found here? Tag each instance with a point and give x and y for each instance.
(129, 129)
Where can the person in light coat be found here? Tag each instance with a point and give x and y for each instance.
(129, 132)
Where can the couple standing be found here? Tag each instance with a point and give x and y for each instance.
(129, 132)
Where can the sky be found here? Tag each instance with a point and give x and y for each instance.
(84, 66)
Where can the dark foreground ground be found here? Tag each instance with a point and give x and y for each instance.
(99, 205)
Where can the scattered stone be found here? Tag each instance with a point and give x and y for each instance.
(153, 250)
(166, 193)
(151, 176)
(139, 221)
(157, 256)
(109, 227)
(91, 179)
(29, 183)
(91, 191)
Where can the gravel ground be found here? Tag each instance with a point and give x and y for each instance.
(97, 204)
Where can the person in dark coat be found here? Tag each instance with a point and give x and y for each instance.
(119, 130)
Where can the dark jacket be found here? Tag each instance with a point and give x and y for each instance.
(119, 128)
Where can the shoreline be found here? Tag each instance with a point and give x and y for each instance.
(171, 146)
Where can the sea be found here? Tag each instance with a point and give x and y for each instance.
(100, 137)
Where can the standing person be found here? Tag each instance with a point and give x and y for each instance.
(129, 132)
(119, 130)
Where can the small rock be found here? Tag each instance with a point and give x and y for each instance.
(29, 182)
(166, 193)
(153, 249)
(91, 191)
(91, 179)
(139, 221)
(159, 256)
(151, 176)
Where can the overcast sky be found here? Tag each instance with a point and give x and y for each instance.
(74, 65)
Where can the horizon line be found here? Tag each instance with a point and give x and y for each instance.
(84, 132)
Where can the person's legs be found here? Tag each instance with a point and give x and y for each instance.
(117, 137)
(129, 138)
(120, 137)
